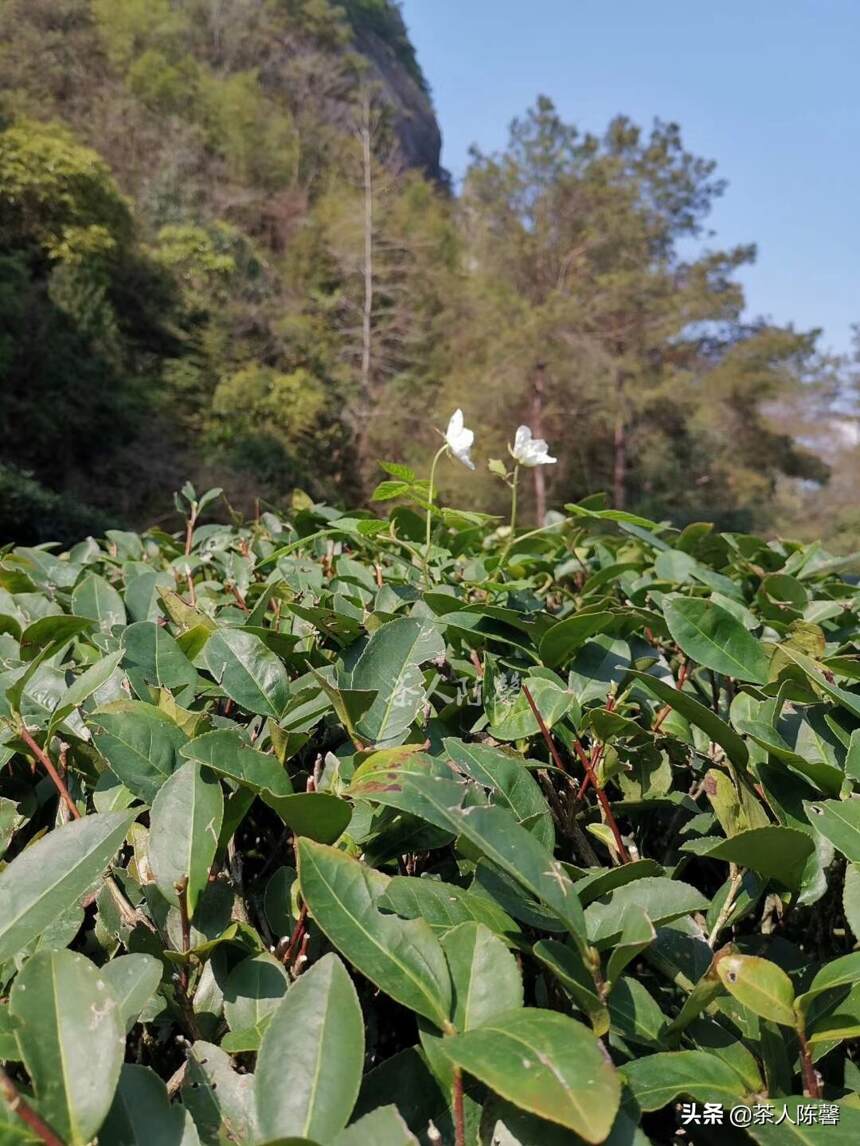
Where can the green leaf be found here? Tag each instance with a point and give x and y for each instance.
(545, 1063)
(382, 1127)
(142, 1114)
(96, 598)
(851, 898)
(317, 1031)
(492, 830)
(152, 655)
(71, 1037)
(662, 900)
(133, 979)
(248, 672)
(511, 784)
(222, 1102)
(226, 752)
(388, 490)
(637, 933)
(569, 967)
(774, 852)
(760, 985)
(565, 637)
(390, 666)
(445, 905)
(140, 744)
(842, 972)
(485, 975)
(839, 822)
(402, 957)
(841, 1021)
(55, 873)
(658, 1079)
(514, 719)
(690, 708)
(51, 630)
(712, 637)
(184, 825)
(90, 681)
(253, 990)
(503, 1124)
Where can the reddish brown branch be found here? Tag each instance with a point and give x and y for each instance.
(48, 764)
(811, 1085)
(459, 1112)
(547, 735)
(667, 708)
(296, 938)
(19, 1105)
(240, 600)
(591, 777)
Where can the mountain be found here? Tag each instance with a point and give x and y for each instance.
(180, 183)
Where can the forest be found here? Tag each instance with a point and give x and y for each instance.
(228, 253)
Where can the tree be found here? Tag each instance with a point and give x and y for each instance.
(579, 277)
(85, 311)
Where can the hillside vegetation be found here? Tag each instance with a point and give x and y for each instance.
(328, 829)
(227, 250)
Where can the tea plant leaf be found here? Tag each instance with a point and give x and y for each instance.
(759, 985)
(403, 957)
(72, 1040)
(712, 637)
(382, 1127)
(445, 905)
(248, 672)
(133, 979)
(691, 709)
(139, 743)
(839, 822)
(318, 1030)
(96, 598)
(53, 874)
(183, 835)
(485, 975)
(492, 830)
(774, 851)
(658, 1079)
(221, 1101)
(390, 666)
(545, 1063)
(142, 1113)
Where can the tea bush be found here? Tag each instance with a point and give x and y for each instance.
(317, 831)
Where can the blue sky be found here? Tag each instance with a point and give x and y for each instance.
(768, 88)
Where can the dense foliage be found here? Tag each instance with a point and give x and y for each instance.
(321, 829)
(227, 250)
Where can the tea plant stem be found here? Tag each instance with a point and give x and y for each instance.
(19, 1105)
(727, 908)
(547, 735)
(603, 799)
(667, 708)
(431, 494)
(811, 1085)
(48, 765)
(185, 921)
(296, 937)
(459, 1113)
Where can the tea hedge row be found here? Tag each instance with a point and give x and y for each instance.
(315, 832)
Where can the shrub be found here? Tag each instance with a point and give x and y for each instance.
(312, 834)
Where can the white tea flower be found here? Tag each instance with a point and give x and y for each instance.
(459, 439)
(529, 451)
